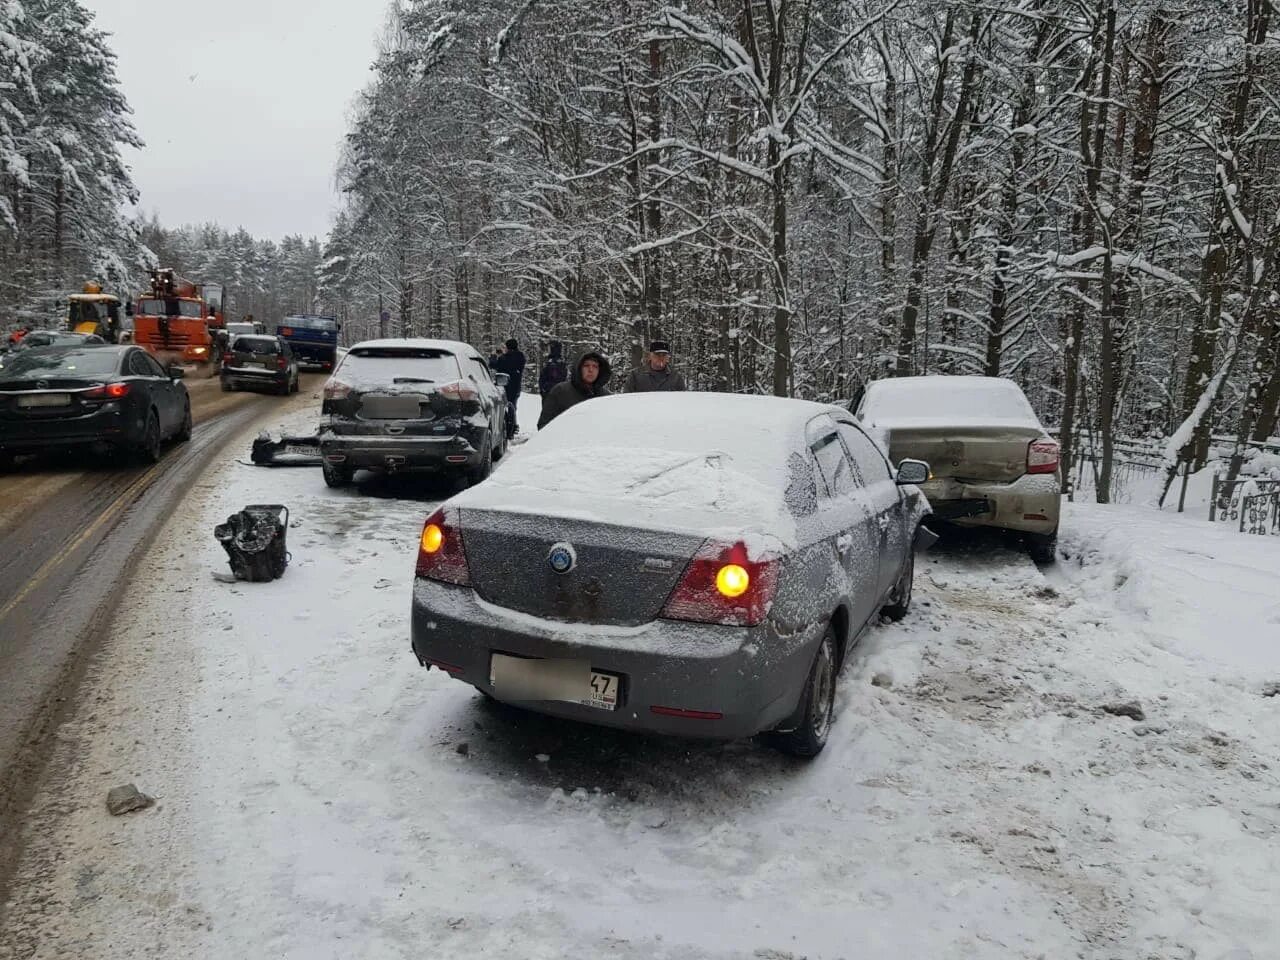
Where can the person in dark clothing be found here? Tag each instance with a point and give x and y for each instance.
(656, 374)
(511, 362)
(554, 371)
(590, 378)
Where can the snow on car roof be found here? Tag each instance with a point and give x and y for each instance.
(706, 463)
(946, 401)
(416, 343)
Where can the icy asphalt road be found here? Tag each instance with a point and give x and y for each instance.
(974, 802)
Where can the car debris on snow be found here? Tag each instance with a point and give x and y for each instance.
(286, 451)
(126, 799)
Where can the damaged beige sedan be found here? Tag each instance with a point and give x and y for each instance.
(993, 463)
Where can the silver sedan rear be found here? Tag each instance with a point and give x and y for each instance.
(691, 564)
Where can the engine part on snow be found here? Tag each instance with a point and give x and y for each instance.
(254, 540)
(286, 451)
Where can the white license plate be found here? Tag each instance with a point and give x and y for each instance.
(257, 363)
(45, 400)
(296, 451)
(567, 681)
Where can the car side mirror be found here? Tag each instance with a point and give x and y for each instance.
(501, 379)
(911, 472)
(176, 372)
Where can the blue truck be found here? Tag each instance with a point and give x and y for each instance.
(313, 339)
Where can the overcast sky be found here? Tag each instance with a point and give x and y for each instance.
(242, 104)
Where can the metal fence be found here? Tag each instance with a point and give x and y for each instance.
(1251, 502)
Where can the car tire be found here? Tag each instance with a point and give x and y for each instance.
(337, 475)
(283, 390)
(7, 462)
(1043, 547)
(184, 431)
(817, 703)
(900, 600)
(294, 386)
(226, 387)
(148, 448)
(482, 470)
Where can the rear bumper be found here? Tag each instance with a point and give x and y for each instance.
(750, 676)
(249, 377)
(425, 454)
(1030, 504)
(104, 428)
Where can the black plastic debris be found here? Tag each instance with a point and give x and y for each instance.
(286, 451)
(254, 540)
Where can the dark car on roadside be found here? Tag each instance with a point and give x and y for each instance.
(411, 405)
(692, 564)
(99, 398)
(259, 362)
(57, 338)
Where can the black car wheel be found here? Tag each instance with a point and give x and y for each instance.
(149, 448)
(294, 387)
(1043, 547)
(184, 431)
(900, 601)
(482, 470)
(817, 705)
(7, 462)
(226, 387)
(337, 474)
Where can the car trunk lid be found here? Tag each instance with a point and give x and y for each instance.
(992, 452)
(619, 575)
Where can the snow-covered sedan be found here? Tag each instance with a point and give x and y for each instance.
(993, 463)
(690, 564)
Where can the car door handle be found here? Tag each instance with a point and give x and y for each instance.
(844, 542)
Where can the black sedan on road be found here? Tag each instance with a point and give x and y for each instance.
(412, 405)
(101, 398)
(258, 362)
(693, 564)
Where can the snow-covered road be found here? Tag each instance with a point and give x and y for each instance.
(320, 795)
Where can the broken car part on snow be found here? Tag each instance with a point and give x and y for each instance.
(254, 540)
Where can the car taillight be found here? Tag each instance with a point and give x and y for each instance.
(440, 553)
(228, 359)
(336, 390)
(458, 390)
(280, 363)
(723, 584)
(109, 391)
(1042, 456)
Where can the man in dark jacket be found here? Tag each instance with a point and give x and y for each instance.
(656, 374)
(511, 362)
(554, 371)
(590, 379)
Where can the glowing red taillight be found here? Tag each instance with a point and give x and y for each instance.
(440, 552)
(108, 391)
(1042, 456)
(724, 584)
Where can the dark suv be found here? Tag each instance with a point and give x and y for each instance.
(412, 405)
(259, 361)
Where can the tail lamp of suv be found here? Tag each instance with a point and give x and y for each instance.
(281, 362)
(106, 392)
(440, 553)
(724, 584)
(459, 390)
(1042, 456)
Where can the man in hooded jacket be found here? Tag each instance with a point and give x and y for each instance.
(589, 379)
(554, 371)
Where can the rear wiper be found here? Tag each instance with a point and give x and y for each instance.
(410, 380)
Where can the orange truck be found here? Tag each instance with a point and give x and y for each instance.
(179, 321)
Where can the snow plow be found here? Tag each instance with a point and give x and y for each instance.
(94, 312)
(179, 321)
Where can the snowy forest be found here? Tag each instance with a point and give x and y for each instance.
(67, 200)
(804, 195)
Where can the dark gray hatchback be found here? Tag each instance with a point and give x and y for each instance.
(691, 564)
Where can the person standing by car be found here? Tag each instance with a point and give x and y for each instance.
(656, 373)
(511, 362)
(554, 371)
(590, 379)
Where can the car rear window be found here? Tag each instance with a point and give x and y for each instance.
(921, 400)
(259, 345)
(385, 365)
(33, 365)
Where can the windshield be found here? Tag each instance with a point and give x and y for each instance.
(311, 323)
(385, 365)
(169, 308)
(259, 345)
(37, 364)
(81, 311)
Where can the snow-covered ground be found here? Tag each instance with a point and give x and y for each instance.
(320, 795)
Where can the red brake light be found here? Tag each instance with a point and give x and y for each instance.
(723, 584)
(109, 391)
(336, 390)
(440, 553)
(1042, 456)
(458, 390)
(280, 362)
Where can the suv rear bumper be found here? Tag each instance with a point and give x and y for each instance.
(425, 454)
